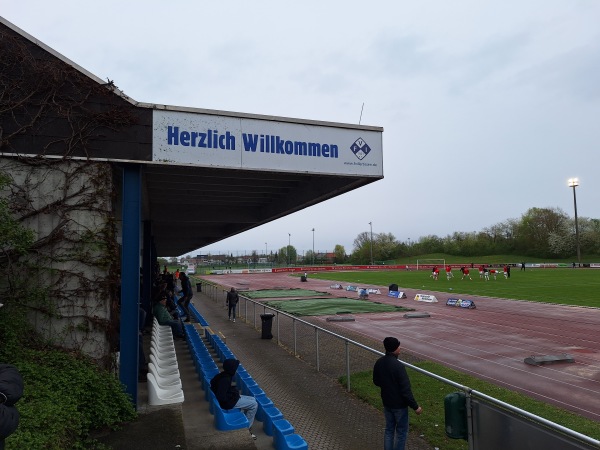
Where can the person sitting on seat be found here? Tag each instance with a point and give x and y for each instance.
(161, 313)
(229, 396)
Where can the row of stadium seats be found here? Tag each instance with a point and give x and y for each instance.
(274, 424)
(164, 380)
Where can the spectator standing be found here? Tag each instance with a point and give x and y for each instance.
(232, 300)
(390, 376)
(229, 396)
(186, 290)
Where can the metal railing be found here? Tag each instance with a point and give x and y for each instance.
(346, 356)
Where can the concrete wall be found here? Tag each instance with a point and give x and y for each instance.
(68, 279)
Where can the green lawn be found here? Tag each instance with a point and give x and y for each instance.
(430, 394)
(566, 286)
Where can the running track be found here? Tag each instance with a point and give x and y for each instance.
(490, 342)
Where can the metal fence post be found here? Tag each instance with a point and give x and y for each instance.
(317, 347)
(295, 344)
(470, 420)
(348, 363)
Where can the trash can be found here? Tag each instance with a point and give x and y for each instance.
(455, 412)
(198, 287)
(267, 325)
(302, 278)
(393, 287)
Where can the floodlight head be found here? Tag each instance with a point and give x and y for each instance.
(573, 182)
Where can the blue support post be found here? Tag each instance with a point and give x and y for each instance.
(147, 270)
(130, 279)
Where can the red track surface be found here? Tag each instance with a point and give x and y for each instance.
(490, 342)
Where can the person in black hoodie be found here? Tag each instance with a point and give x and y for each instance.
(11, 390)
(229, 397)
(390, 375)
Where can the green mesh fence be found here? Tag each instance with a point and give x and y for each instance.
(283, 293)
(319, 307)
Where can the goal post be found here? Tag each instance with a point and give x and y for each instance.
(430, 263)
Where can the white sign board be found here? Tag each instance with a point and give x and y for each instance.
(250, 143)
(425, 298)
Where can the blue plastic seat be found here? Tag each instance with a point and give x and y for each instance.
(263, 402)
(284, 437)
(226, 420)
(270, 414)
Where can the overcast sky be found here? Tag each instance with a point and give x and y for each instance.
(487, 107)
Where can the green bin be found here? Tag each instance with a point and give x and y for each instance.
(455, 409)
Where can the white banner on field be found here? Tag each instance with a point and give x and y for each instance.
(249, 142)
(425, 298)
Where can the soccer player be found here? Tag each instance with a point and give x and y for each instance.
(449, 273)
(481, 268)
(486, 274)
(465, 273)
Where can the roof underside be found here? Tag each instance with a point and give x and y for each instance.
(192, 207)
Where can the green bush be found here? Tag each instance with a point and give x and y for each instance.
(66, 395)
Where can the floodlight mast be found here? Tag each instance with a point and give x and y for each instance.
(371, 224)
(574, 182)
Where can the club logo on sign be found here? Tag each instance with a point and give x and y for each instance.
(360, 148)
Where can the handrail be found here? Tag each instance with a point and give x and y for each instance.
(468, 391)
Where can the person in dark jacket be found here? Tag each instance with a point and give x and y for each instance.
(11, 390)
(232, 300)
(186, 290)
(390, 376)
(229, 397)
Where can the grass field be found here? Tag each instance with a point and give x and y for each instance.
(565, 286)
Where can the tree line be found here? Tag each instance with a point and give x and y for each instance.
(539, 233)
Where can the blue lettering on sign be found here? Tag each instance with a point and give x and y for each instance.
(262, 143)
(266, 143)
(210, 139)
